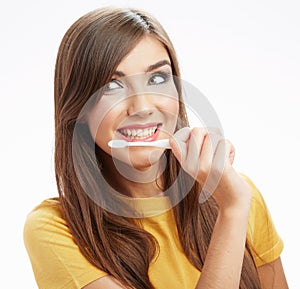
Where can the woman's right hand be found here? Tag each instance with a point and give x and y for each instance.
(208, 158)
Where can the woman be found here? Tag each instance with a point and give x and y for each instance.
(131, 217)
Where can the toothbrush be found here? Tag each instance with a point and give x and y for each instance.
(118, 143)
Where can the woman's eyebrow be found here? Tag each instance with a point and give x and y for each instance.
(157, 65)
(149, 68)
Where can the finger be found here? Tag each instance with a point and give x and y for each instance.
(194, 148)
(224, 155)
(222, 159)
(179, 143)
(212, 164)
(208, 150)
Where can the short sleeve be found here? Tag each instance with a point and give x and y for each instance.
(56, 260)
(264, 241)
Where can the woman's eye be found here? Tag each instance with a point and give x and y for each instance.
(158, 78)
(112, 85)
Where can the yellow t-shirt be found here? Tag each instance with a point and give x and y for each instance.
(58, 264)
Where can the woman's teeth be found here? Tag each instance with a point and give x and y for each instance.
(138, 133)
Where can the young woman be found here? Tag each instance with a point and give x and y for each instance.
(131, 217)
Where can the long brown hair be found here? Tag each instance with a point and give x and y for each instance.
(88, 55)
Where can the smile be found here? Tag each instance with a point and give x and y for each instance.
(140, 132)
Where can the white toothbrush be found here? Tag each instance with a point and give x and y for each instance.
(119, 143)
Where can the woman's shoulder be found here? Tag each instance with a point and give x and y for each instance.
(48, 211)
(263, 239)
(45, 222)
(259, 209)
(47, 205)
(56, 260)
(257, 197)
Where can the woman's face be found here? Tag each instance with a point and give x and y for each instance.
(140, 103)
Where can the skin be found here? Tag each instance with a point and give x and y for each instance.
(201, 155)
(223, 263)
(137, 95)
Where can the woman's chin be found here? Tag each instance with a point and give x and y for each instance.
(141, 159)
(141, 168)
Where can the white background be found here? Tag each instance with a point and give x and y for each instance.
(243, 55)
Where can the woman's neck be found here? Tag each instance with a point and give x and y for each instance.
(130, 181)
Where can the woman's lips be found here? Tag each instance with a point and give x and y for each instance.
(141, 126)
(140, 132)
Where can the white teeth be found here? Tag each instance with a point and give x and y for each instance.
(146, 132)
(138, 133)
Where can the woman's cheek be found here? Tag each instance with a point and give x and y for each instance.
(106, 130)
(102, 119)
(101, 125)
(170, 106)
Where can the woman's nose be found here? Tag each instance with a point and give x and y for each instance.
(140, 105)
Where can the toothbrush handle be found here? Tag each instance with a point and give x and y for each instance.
(162, 143)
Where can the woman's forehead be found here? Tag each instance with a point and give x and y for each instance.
(146, 53)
